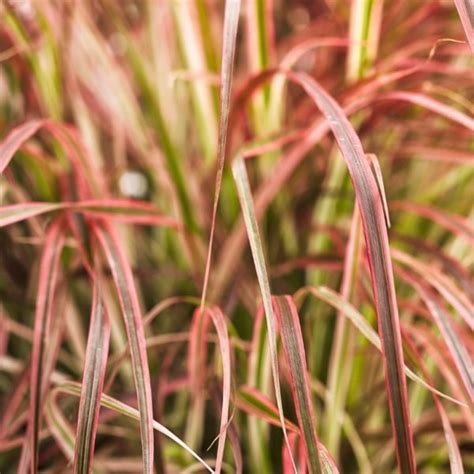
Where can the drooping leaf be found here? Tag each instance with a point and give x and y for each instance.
(59, 426)
(15, 140)
(293, 345)
(92, 382)
(466, 13)
(231, 22)
(123, 279)
(434, 105)
(248, 211)
(132, 212)
(219, 323)
(455, 458)
(49, 271)
(440, 314)
(376, 238)
(437, 279)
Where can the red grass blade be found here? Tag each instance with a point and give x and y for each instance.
(376, 238)
(298, 452)
(197, 374)
(293, 345)
(49, 270)
(15, 140)
(123, 278)
(466, 14)
(92, 383)
(231, 21)
(219, 323)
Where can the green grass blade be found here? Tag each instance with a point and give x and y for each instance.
(248, 211)
(336, 301)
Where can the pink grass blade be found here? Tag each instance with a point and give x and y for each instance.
(293, 345)
(246, 202)
(443, 284)
(49, 271)
(231, 21)
(197, 371)
(456, 224)
(20, 212)
(131, 212)
(466, 14)
(123, 279)
(376, 238)
(92, 383)
(15, 140)
(454, 453)
(440, 314)
(298, 452)
(430, 104)
(218, 319)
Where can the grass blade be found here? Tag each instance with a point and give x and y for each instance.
(345, 308)
(132, 212)
(376, 238)
(49, 270)
(441, 316)
(431, 104)
(92, 383)
(73, 388)
(248, 211)
(219, 323)
(466, 14)
(231, 21)
(15, 140)
(57, 423)
(20, 212)
(443, 284)
(293, 345)
(123, 278)
(253, 402)
(454, 454)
